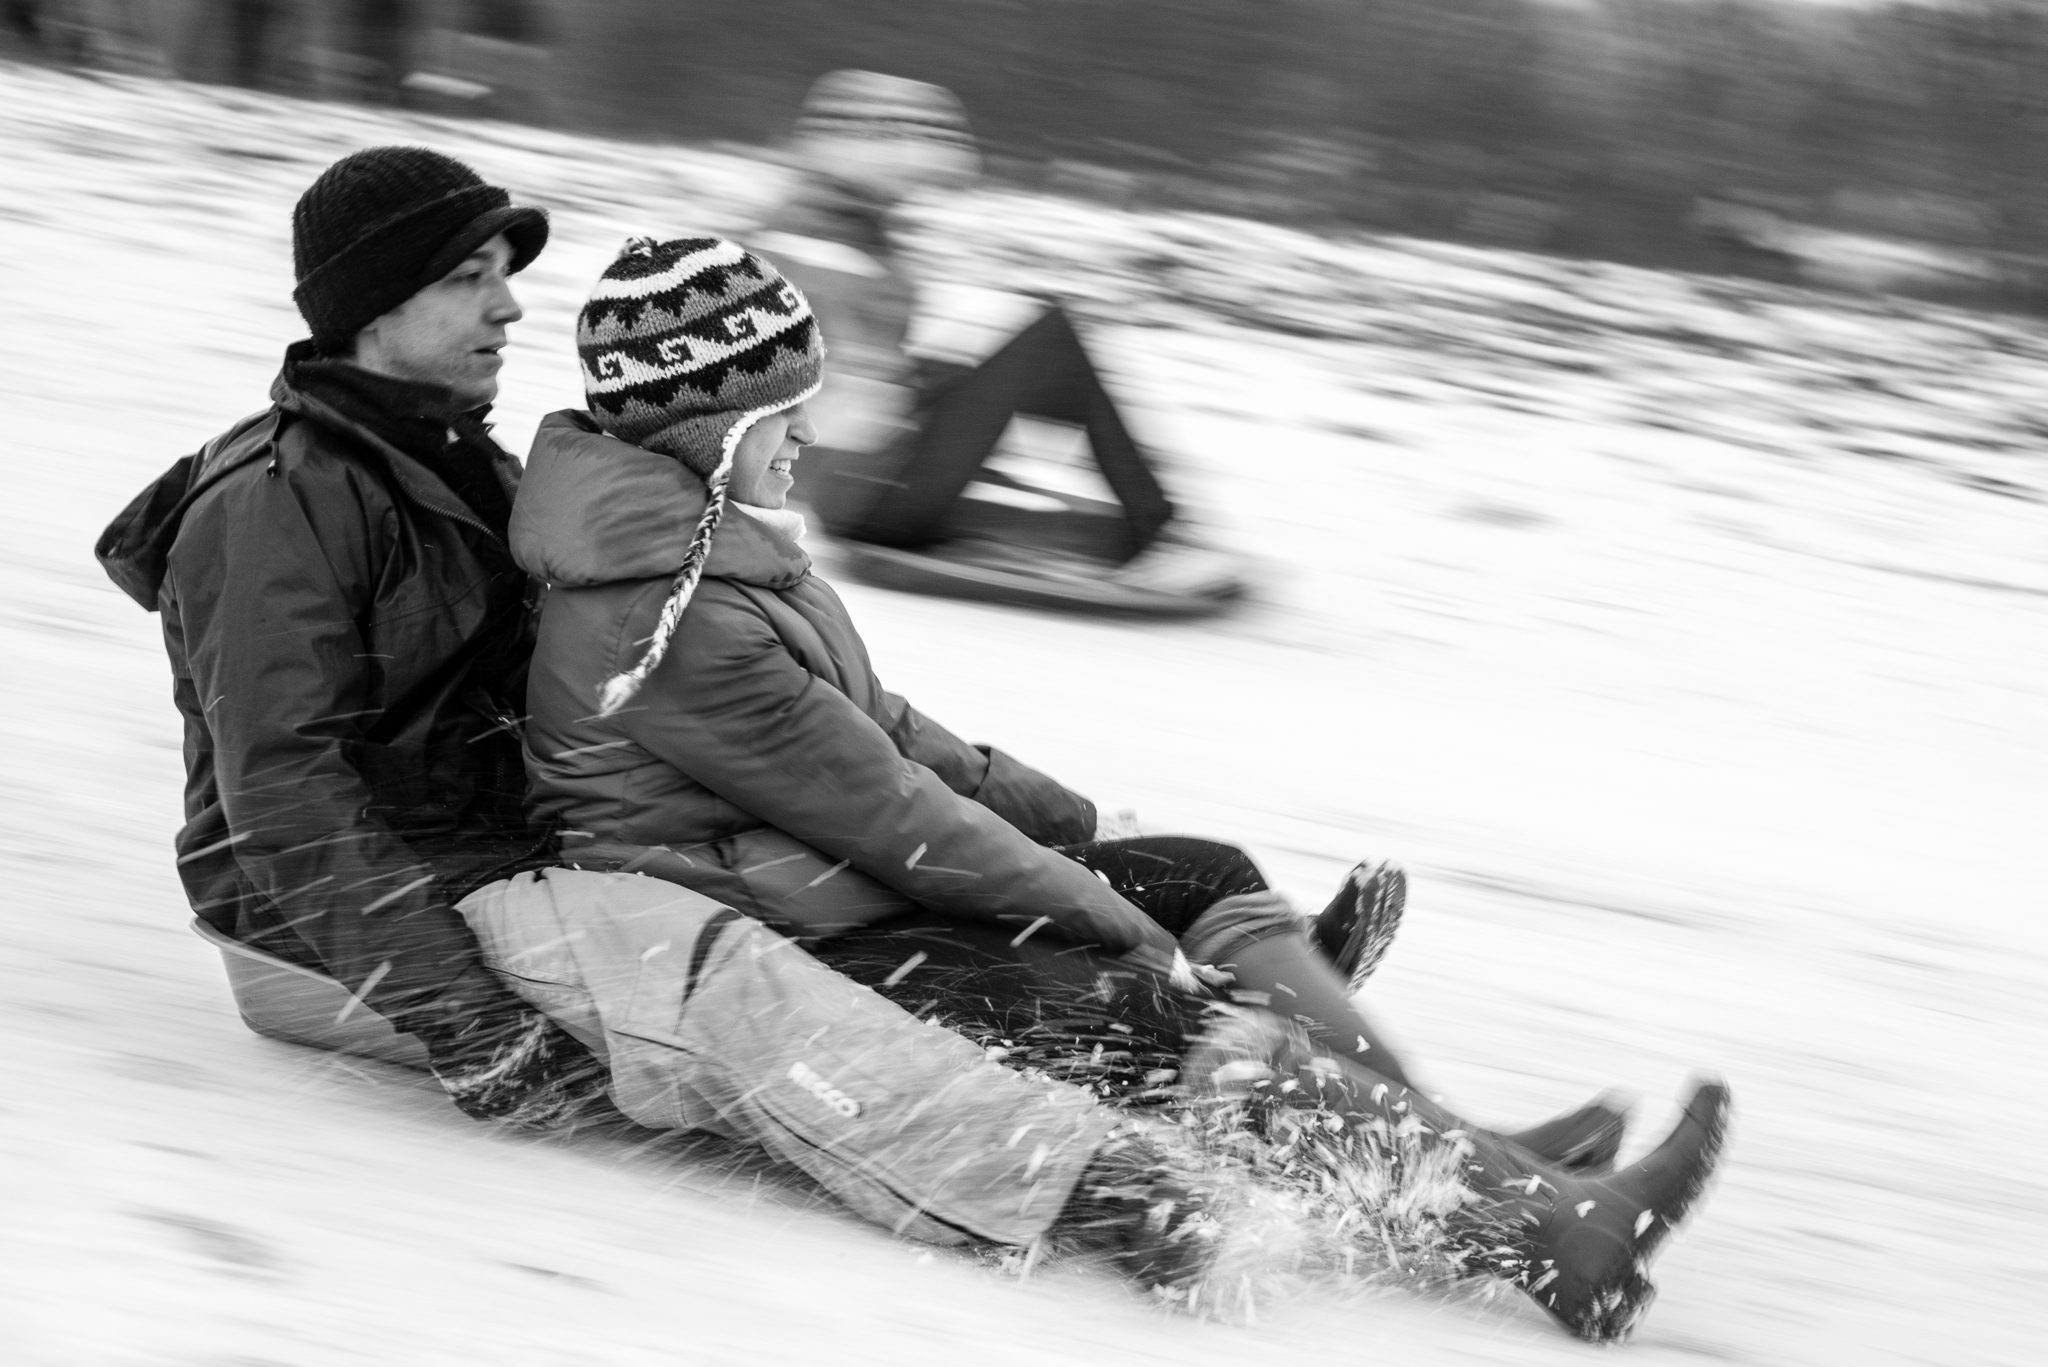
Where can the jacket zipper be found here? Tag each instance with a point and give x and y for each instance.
(389, 451)
(464, 517)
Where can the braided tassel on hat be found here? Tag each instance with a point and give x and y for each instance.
(619, 689)
(685, 346)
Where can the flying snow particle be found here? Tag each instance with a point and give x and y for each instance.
(903, 970)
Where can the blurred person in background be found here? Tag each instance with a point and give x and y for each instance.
(703, 710)
(911, 432)
(349, 638)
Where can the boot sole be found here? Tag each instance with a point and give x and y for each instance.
(1381, 892)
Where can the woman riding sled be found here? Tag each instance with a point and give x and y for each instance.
(704, 711)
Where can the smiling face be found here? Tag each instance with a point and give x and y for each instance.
(763, 465)
(451, 332)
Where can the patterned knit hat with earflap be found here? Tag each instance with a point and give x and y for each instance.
(685, 346)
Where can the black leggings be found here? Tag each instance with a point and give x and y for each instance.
(1043, 371)
(1171, 878)
(1077, 1011)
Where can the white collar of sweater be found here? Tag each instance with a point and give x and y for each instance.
(787, 521)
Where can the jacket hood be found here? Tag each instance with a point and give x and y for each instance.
(596, 510)
(135, 548)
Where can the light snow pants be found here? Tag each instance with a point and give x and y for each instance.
(710, 1021)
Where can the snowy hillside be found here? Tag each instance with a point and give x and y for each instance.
(1684, 637)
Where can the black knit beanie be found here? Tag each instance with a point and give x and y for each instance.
(382, 224)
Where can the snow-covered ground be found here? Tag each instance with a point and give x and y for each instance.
(1685, 638)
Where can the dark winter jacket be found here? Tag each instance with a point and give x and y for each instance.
(348, 642)
(763, 763)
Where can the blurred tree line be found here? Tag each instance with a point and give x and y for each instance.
(1614, 128)
(1595, 126)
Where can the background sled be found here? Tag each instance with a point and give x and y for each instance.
(299, 1006)
(1039, 527)
(1002, 572)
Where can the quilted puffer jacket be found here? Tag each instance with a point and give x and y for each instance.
(763, 763)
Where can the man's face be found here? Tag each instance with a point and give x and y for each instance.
(451, 332)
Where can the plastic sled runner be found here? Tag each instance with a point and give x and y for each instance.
(995, 554)
(301, 1006)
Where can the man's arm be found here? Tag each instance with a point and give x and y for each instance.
(733, 710)
(272, 576)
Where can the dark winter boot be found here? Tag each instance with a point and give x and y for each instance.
(1357, 928)
(1579, 1245)
(1584, 1141)
(1130, 1205)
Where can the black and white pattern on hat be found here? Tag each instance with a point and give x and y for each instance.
(685, 346)
(689, 328)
